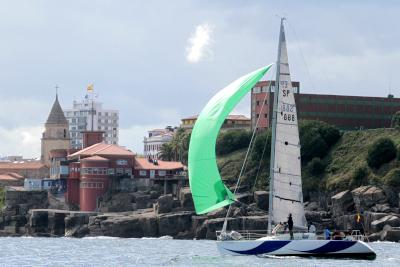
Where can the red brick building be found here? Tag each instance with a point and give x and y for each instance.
(97, 169)
(92, 171)
(346, 112)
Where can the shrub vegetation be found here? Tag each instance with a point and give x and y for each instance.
(381, 151)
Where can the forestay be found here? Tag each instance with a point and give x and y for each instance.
(208, 191)
(287, 189)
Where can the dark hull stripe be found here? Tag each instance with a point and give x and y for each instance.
(265, 247)
(362, 256)
(331, 246)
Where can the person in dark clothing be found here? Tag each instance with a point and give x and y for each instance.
(290, 225)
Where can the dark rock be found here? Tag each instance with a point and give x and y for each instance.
(245, 197)
(149, 226)
(174, 223)
(345, 222)
(38, 221)
(142, 201)
(311, 206)
(390, 220)
(56, 223)
(197, 226)
(381, 208)
(118, 203)
(392, 234)
(370, 216)
(238, 211)
(316, 216)
(367, 196)
(124, 226)
(342, 203)
(218, 213)
(374, 237)
(213, 225)
(254, 223)
(164, 204)
(261, 198)
(154, 194)
(185, 196)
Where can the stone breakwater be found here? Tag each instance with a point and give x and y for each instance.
(149, 214)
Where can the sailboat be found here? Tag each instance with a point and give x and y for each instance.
(285, 196)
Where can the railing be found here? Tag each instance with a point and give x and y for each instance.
(355, 235)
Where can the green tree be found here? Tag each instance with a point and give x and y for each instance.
(316, 166)
(381, 151)
(166, 152)
(316, 138)
(232, 140)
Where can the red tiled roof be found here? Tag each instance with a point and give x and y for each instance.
(95, 158)
(7, 177)
(21, 165)
(15, 175)
(144, 164)
(102, 149)
(230, 117)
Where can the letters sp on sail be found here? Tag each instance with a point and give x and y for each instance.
(208, 191)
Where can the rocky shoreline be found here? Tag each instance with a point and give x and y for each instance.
(149, 214)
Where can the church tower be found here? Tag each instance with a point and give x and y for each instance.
(56, 133)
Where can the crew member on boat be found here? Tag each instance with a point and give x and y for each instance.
(290, 225)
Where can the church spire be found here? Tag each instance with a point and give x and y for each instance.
(56, 115)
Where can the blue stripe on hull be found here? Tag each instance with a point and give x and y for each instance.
(332, 246)
(265, 247)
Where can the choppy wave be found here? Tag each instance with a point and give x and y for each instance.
(114, 251)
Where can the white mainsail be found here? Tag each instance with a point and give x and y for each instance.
(286, 193)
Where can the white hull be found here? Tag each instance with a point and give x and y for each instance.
(303, 248)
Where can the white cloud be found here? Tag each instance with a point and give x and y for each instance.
(23, 141)
(199, 44)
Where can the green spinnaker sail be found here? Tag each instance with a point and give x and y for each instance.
(208, 191)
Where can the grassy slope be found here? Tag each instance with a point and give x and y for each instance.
(344, 157)
(350, 153)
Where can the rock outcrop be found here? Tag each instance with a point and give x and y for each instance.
(342, 203)
(261, 198)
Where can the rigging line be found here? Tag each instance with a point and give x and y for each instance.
(259, 165)
(252, 141)
(302, 55)
(249, 149)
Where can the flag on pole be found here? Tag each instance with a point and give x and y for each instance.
(90, 88)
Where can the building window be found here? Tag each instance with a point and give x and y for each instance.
(119, 171)
(257, 103)
(111, 171)
(257, 115)
(162, 173)
(265, 115)
(128, 171)
(143, 173)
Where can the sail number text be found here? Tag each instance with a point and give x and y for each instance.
(288, 108)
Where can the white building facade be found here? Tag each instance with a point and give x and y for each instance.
(156, 138)
(88, 115)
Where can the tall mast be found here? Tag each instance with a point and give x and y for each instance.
(274, 114)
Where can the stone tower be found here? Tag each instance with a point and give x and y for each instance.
(56, 133)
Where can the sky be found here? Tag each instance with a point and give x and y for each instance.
(159, 61)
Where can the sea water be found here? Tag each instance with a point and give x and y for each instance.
(108, 251)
